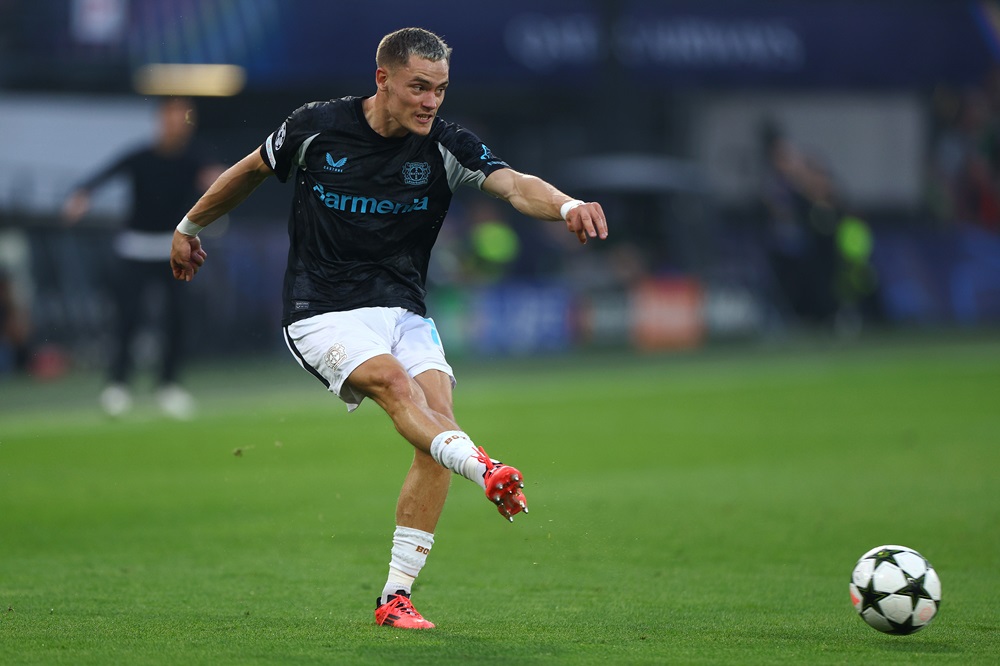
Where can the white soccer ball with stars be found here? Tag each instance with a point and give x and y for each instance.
(895, 589)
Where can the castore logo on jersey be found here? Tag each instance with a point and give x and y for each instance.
(335, 165)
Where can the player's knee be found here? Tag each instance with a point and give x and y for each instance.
(391, 386)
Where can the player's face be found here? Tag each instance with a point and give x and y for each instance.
(415, 92)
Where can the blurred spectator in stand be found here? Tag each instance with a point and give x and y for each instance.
(166, 178)
(482, 244)
(965, 169)
(801, 219)
(17, 353)
(14, 329)
(977, 197)
(819, 252)
(495, 244)
(947, 150)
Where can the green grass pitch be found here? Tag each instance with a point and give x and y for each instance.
(697, 508)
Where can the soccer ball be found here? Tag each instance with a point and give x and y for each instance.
(895, 590)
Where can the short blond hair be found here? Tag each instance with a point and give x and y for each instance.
(397, 47)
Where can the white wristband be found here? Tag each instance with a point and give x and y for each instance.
(189, 228)
(568, 206)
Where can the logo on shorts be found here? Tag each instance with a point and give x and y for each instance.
(334, 356)
(416, 173)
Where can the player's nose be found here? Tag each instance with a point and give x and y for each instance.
(430, 101)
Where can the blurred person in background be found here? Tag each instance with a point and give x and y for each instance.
(975, 184)
(820, 253)
(374, 177)
(165, 178)
(14, 328)
(964, 171)
(802, 216)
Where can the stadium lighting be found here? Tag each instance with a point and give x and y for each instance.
(189, 80)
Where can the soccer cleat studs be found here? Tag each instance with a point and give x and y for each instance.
(503, 487)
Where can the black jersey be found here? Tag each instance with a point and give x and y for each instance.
(367, 209)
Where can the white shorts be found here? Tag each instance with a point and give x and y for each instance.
(332, 345)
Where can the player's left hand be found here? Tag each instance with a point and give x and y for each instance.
(186, 256)
(587, 221)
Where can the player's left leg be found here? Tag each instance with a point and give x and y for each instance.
(423, 494)
(425, 489)
(420, 503)
(418, 509)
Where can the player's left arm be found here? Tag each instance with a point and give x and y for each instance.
(536, 198)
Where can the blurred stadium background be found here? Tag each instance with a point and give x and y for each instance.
(770, 168)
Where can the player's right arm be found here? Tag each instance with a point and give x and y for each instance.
(230, 189)
(227, 192)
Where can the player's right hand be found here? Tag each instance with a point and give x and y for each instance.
(186, 256)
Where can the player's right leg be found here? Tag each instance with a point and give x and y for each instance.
(406, 402)
(352, 353)
(501, 483)
(504, 486)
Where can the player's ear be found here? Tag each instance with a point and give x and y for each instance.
(381, 79)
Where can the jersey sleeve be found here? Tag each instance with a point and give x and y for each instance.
(282, 149)
(467, 159)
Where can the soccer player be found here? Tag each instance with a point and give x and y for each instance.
(373, 179)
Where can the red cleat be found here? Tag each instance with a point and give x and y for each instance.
(399, 612)
(503, 486)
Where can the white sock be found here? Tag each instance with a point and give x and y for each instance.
(397, 583)
(453, 449)
(410, 548)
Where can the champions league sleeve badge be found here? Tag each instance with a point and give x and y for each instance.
(279, 138)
